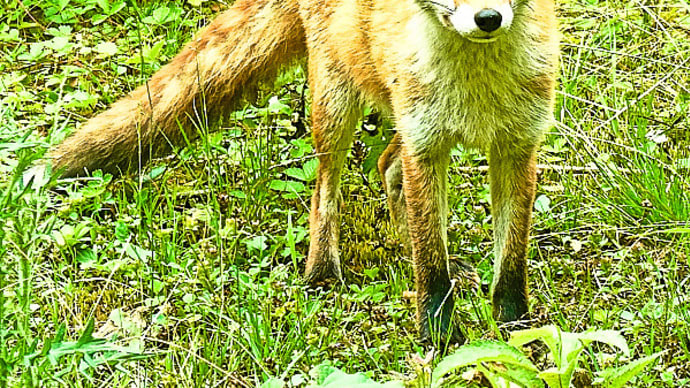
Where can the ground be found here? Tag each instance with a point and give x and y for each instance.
(192, 269)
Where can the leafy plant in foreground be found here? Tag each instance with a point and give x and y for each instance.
(503, 364)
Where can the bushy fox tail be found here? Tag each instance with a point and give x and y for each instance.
(243, 46)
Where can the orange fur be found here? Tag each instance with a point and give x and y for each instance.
(476, 72)
(213, 70)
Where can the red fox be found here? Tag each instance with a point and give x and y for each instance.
(477, 72)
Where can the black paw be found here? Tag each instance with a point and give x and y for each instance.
(323, 273)
(509, 306)
(435, 315)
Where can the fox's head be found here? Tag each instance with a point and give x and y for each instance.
(481, 21)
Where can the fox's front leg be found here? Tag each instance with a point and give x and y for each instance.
(424, 186)
(512, 173)
(390, 169)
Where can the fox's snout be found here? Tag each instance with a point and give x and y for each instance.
(476, 20)
(488, 20)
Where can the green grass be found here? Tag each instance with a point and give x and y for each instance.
(196, 263)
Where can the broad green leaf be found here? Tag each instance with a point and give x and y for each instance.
(550, 334)
(301, 148)
(328, 376)
(571, 347)
(59, 44)
(289, 186)
(275, 106)
(484, 351)
(155, 51)
(517, 374)
(238, 194)
(98, 18)
(163, 15)
(609, 337)
(150, 54)
(155, 172)
(307, 173)
(559, 378)
(117, 7)
(296, 173)
(542, 204)
(107, 48)
(618, 377)
(136, 252)
(376, 145)
(273, 383)
(104, 4)
(258, 243)
(309, 169)
(552, 378)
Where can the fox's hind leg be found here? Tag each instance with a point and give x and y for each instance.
(390, 169)
(335, 107)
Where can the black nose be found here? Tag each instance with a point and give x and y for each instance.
(488, 20)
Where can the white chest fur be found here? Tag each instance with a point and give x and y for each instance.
(474, 93)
